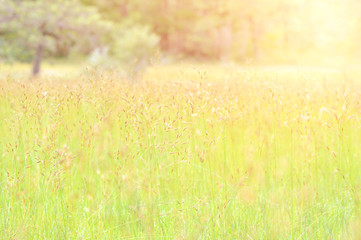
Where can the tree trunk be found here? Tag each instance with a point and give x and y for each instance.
(255, 38)
(37, 60)
(244, 42)
(224, 41)
(164, 41)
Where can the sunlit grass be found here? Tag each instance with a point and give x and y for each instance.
(204, 152)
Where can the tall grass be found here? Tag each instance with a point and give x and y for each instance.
(186, 153)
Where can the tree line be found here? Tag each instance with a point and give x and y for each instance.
(215, 30)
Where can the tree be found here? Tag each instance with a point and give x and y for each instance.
(43, 25)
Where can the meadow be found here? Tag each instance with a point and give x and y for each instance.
(205, 152)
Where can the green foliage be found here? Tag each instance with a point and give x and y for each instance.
(131, 50)
(203, 29)
(136, 43)
(10, 50)
(55, 25)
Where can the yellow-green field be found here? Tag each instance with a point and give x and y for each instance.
(205, 152)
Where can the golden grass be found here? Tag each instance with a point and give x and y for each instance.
(208, 152)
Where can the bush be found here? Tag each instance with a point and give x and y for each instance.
(131, 51)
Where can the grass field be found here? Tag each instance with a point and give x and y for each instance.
(205, 152)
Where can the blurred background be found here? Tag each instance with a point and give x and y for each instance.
(132, 34)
